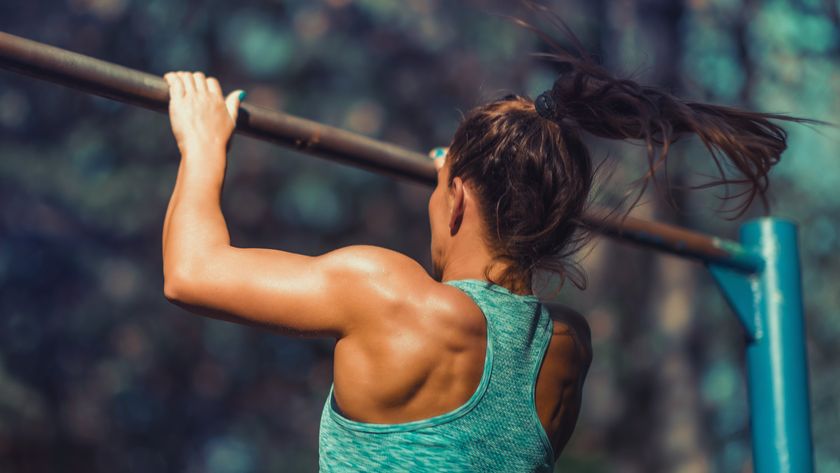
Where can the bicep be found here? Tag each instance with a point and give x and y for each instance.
(308, 295)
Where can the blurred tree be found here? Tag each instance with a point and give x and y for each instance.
(99, 373)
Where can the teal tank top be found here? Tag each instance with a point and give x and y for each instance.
(496, 430)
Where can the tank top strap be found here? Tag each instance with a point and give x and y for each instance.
(519, 332)
(519, 326)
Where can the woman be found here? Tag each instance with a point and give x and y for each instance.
(464, 370)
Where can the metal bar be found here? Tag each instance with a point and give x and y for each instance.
(769, 304)
(676, 240)
(150, 91)
(146, 90)
(777, 360)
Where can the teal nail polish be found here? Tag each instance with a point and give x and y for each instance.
(439, 152)
(242, 95)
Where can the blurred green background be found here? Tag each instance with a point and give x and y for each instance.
(99, 373)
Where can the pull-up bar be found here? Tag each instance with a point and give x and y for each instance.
(150, 91)
(759, 275)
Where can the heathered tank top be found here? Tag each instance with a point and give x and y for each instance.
(496, 430)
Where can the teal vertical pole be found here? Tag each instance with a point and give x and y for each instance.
(769, 304)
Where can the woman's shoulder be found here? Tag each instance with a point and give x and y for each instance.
(405, 290)
(572, 327)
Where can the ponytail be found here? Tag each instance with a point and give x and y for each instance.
(586, 95)
(528, 165)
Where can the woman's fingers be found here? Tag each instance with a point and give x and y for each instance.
(438, 155)
(187, 81)
(213, 86)
(232, 103)
(182, 83)
(200, 82)
(176, 87)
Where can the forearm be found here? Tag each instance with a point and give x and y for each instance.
(194, 224)
(172, 199)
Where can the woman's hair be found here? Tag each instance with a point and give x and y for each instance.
(532, 172)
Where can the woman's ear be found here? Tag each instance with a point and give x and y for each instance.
(456, 204)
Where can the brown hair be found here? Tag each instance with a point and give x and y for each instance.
(533, 175)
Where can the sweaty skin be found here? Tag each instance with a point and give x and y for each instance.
(407, 346)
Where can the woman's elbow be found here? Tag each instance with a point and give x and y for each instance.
(176, 286)
(169, 290)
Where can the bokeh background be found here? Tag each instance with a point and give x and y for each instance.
(98, 372)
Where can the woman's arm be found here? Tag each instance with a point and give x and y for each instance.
(332, 294)
(202, 122)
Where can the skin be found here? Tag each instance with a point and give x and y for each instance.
(407, 346)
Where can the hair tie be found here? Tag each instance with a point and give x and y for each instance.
(546, 106)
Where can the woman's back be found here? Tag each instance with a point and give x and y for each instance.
(438, 391)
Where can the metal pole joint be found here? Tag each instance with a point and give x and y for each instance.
(769, 305)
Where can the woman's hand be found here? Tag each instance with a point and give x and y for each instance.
(199, 115)
(438, 156)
